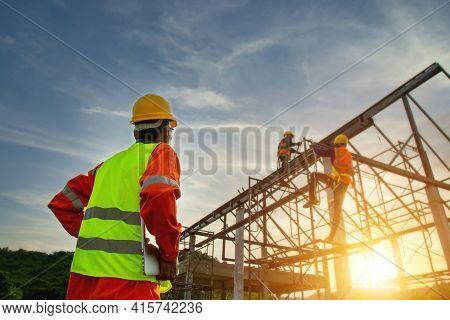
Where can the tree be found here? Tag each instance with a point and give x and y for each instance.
(8, 290)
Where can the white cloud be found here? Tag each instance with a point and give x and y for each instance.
(27, 135)
(139, 36)
(171, 24)
(248, 48)
(209, 66)
(7, 40)
(105, 111)
(199, 98)
(37, 200)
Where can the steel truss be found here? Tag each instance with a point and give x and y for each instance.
(396, 204)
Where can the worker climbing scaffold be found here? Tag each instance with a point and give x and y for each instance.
(285, 149)
(338, 179)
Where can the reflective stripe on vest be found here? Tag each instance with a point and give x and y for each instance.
(336, 175)
(133, 218)
(112, 246)
(72, 196)
(109, 243)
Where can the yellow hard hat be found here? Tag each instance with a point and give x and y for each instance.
(288, 133)
(341, 139)
(152, 107)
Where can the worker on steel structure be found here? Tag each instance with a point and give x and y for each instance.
(285, 149)
(339, 179)
(103, 209)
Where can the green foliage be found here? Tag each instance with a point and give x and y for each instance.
(8, 291)
(196, 255)
(34, 275)
(198, 292)
(177, 293)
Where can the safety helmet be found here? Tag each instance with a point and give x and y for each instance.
(152, 107)
(288, 133)
(341, 139)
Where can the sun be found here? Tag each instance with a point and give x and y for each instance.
(374, 267)
(381, 267)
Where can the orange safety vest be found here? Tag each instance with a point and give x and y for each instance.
(283, 148)
(342, 169)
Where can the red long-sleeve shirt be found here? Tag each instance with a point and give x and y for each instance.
(158, 210)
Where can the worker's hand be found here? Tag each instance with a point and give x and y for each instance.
(152, 249)
(168, 270)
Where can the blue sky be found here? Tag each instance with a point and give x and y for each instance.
(220, 63)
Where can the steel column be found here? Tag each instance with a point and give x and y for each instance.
(434, 199)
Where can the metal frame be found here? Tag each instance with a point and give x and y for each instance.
(395, 195)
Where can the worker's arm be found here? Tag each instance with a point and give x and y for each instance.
(291, 144)
(69, 203)
(323, 151)
(160, 189)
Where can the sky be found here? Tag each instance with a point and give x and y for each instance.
(70, 72)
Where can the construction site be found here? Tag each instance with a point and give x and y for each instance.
(262, 243)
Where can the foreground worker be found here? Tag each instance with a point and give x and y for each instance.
(339, 179)
(285, 149)
(139, 182)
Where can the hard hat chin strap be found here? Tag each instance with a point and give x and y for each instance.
(146, 125)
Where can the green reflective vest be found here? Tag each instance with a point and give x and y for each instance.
(109, 241)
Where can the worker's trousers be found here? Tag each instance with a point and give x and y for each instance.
(284, 162)
(339, 191)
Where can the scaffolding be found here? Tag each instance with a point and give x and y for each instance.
(396, 211)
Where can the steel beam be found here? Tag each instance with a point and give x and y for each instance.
(400, 172)
(437, 209)
(351, 129)
(358, 245)
(256, 215)
(238, 288)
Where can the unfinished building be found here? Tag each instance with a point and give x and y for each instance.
(397, 210)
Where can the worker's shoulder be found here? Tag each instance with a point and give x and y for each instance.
(166, 149)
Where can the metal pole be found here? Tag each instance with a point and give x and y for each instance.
(326, 277)
(313, 227)
(238, 292)
(434, 199)
(264, 291)
(224, 242)
(212, 272)
(189, 272)
(429, 118)
(400, 271)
